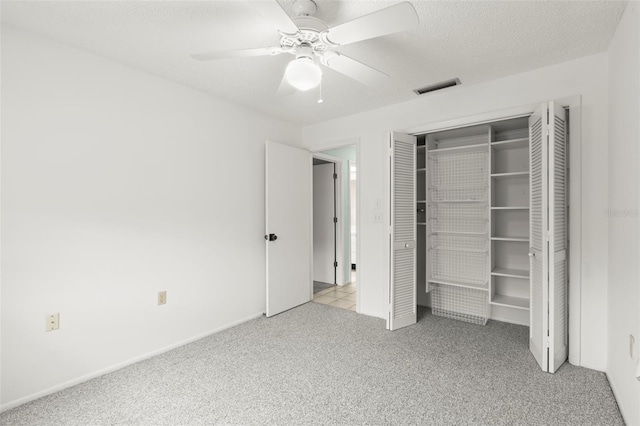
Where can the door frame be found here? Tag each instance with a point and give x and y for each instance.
(317, 149)
(573, 104)
(352, 261)
(339, 208)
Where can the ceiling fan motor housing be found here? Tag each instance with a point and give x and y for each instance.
(304, 51)
(304, 7)
(309, 37)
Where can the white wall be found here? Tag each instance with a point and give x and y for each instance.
(115, 185)
(624, 202)
(586, 77)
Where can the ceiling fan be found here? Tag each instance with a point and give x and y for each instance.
(312, 42)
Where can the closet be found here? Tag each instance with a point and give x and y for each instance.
(490, 226)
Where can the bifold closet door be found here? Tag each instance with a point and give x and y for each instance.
(548, 236)
(402, 288)
(558, 300)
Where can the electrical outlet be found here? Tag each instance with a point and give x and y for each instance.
(52, 322)
(378, 217)
(632, 346)
(162, 297)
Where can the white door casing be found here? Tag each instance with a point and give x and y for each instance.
(288, 212)
(402, 288)
(353, 230)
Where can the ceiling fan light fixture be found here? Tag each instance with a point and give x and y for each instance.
(303, 73)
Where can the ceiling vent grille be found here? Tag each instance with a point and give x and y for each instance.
(438, 86)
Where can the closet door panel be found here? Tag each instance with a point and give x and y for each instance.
(402, 297)
(557, 238)
(538, 276)
(548, 235)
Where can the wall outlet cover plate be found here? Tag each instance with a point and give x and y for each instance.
(52, 322)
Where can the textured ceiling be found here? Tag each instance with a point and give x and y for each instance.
(473, 40)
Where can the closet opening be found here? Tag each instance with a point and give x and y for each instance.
(492, 227)
(335, 227)
(474, 185)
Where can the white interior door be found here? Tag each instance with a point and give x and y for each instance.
(324, 227)
(288, 227)
(548, 254)
(402, 288)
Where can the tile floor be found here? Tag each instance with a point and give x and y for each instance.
(339, 296)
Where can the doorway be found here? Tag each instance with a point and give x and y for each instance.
(325, 223)
(335, 227)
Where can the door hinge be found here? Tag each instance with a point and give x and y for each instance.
(335, 264)
(335, 220)
(548, 123)
(335, 176)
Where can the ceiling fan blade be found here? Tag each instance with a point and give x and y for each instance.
(393, 19)
(241, 53)
(354, 69)
(274, 13)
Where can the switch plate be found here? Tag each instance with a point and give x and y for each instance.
(162, 297)
(378, 204)
(52, 322)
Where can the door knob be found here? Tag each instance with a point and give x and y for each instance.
(271, 237)
(532, 255)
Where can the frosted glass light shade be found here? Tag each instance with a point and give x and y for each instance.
(303, 74)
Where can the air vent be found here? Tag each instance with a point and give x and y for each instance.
(438, 86)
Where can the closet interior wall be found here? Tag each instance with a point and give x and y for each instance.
(473, 221)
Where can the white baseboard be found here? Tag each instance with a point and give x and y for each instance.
(615, 395)
(110, 369)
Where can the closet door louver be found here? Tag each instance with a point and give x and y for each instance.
(557, 238)
(402, 297)
(548, 255)
(538, 323)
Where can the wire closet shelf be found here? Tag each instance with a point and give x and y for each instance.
(458, 243)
